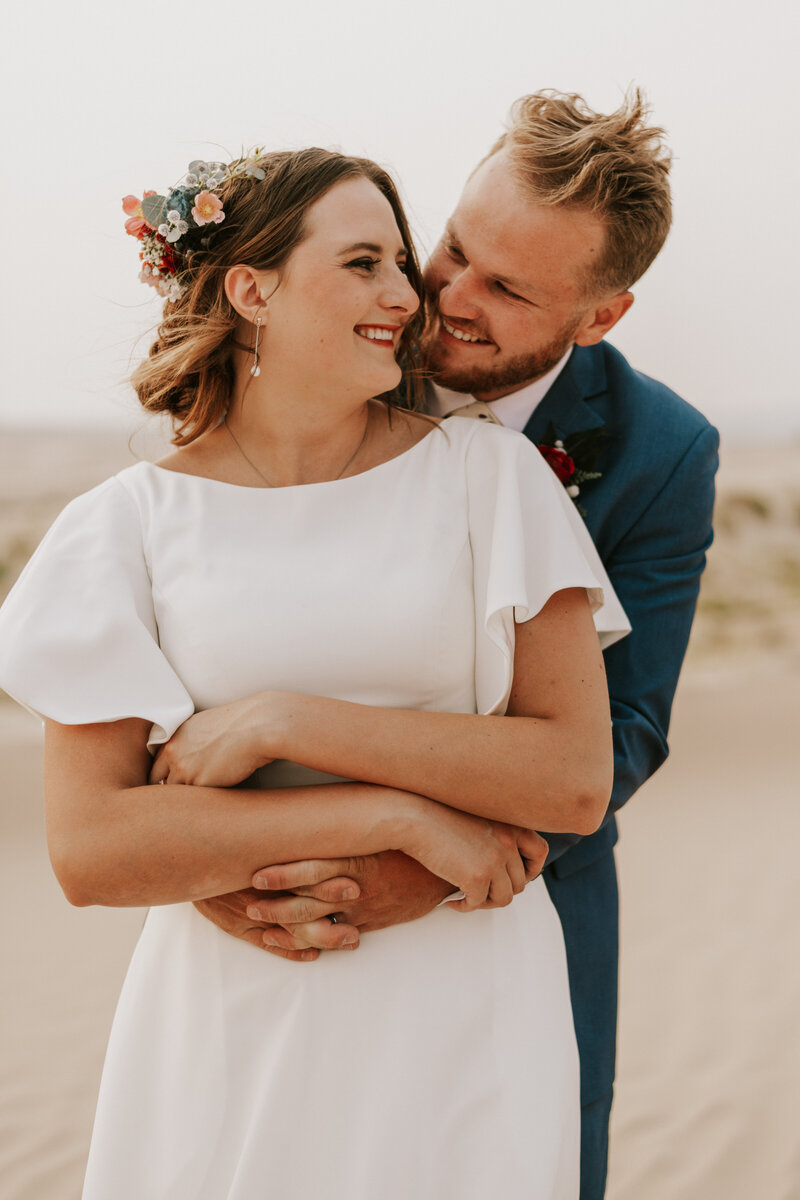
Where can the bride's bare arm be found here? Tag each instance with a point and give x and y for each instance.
(549, 768)
(115, 839)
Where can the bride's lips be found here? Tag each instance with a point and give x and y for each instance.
(453, 335)
(379, 335)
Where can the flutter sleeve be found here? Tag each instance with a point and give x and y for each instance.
(78, 635)
(528, 542)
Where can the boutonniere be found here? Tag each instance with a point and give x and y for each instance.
(573, 460)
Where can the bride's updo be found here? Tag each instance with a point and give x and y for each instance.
(189, 372)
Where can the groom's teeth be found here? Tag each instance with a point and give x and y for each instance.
(459, 334)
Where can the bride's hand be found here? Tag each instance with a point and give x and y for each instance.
(216, 748)
(490, 862)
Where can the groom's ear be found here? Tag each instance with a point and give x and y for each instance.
(602, 317)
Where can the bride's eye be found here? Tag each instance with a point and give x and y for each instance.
(364, 264)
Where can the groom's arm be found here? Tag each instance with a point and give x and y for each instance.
(656, 573)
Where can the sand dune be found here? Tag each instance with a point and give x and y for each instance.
(710, 983)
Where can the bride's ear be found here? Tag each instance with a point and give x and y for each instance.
(249, 290)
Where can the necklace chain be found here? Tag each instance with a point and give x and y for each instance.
(269, 482)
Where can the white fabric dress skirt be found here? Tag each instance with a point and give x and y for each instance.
(438, 1061)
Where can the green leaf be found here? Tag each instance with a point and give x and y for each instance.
(586, 446)
(154, 210)
(550, 435)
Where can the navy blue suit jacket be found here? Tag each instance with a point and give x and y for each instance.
(650, 517)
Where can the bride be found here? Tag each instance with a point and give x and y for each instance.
(343, 591)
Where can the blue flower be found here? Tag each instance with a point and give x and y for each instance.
(180, 200)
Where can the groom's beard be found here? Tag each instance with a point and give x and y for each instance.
(507, 375)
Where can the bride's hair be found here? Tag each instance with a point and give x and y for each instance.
(189, 372)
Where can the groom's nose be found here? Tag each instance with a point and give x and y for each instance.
(459, 294)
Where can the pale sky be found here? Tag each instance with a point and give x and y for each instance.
(107, 101)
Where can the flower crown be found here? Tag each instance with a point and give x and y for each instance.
(170, 227)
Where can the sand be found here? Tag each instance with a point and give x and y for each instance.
(710, 892)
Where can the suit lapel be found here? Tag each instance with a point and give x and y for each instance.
(566, 403)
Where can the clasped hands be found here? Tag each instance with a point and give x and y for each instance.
(288, 914)
(286, 911)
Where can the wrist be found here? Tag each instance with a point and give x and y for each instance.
(273, 722)
(408, 815)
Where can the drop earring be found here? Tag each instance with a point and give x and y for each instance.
(255, 370)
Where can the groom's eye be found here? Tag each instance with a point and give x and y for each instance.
(454, 252)
(501, 287)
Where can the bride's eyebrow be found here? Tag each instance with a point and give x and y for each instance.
(372, 247)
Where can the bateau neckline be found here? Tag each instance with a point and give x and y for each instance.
(292, 487)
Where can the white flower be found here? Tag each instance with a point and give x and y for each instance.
(256, 172)
(559, 445)
(174, 227)
(177, 231)
(573, 490)
(151, 254)
(191, 180)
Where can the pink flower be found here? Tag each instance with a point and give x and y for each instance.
(137, 225)
(207, 209)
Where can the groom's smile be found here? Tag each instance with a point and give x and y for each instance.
(448, 330)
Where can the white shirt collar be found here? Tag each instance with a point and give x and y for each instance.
(513, 410)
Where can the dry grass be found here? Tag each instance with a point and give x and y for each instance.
(750, 595)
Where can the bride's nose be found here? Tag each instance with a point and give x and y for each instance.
(399, 294)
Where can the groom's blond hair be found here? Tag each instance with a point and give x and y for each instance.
(616, 166)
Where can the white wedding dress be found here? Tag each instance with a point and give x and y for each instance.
(438, 1062)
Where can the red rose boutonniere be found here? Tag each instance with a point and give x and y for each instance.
(573, 460)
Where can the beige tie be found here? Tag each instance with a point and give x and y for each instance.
(477, 410)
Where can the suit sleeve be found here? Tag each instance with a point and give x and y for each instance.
(655, 570)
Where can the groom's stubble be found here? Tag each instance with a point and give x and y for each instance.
(491, 382)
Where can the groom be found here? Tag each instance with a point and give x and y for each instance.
(554, 226)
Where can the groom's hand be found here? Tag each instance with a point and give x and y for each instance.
(235, 914)
(290, 919)
(289, 916)
(393, 889)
